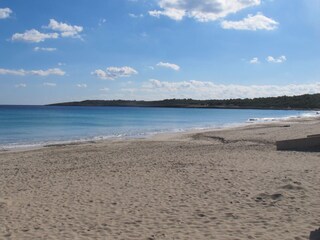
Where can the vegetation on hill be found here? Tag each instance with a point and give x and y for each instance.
(308, 101)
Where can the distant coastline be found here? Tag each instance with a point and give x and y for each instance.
(301, 102)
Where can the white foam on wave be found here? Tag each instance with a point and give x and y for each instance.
(312, 114)
(22, 146)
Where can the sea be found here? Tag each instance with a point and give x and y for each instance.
(32, 126)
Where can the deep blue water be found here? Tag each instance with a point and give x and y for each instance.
(33, 125)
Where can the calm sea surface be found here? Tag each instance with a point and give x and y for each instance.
(38, 125)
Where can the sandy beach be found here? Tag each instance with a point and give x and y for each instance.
(225, 184)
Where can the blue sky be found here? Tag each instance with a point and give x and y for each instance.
(54, 51)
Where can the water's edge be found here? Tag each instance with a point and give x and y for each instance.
(150, 135)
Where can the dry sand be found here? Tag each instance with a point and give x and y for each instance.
(226, 185)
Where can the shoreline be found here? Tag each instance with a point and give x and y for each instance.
(151, 135)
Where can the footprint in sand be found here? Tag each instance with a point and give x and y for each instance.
(4, 203)
(263, 197)
(292, 187)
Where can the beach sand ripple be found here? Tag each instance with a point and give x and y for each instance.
(226, 184)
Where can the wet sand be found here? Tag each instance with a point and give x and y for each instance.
(226, 184)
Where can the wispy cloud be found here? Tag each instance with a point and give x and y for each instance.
(104, 89)
(33, 36)
(156, 89)
(44, 49)
(254, 60)
(20, 85)
(102, 21)
(20, 72)
(5, 13)
(136, 15)
(169, 65)
(201, 10)
(82, 85)
(49, 84)
(112, 73)
(280, 59)
(42, 73)
(174, 14)
(252, 23)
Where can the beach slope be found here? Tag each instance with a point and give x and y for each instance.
(224, 184)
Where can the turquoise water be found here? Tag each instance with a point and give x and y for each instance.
(38, 125)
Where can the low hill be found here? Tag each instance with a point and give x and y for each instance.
(307, 101)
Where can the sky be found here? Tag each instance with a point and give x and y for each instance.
(58, 51)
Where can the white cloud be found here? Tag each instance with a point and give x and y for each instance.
(100, 74)
(201, 10)
(44, 49)
(157, 89)
(5, 13)
(20, 72)
(104, 89)
(111, 73)
(174, 14)
(280, 59)
(169, 65)
(136, 15)
(252, 23)
(42, 73)
(33, 36)
(20, 85)
(82, 85)
(65, 29)
(255, 60)
(177, 86)
(48, 84)
(102, 21)
(61, 64)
